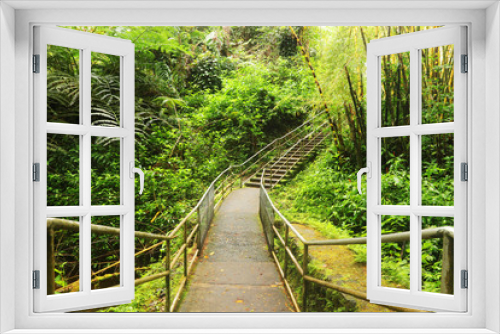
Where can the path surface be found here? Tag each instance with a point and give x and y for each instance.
(235, 272)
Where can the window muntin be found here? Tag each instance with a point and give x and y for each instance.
(72, 183)
(419, 130)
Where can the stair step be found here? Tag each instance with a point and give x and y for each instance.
(274, 171)
(286, 163)
(283, 162)
(254, 185)
(292, 158)
(266, 178)
(304, 149)
(295, 156)
(309, 145)
(275, 176)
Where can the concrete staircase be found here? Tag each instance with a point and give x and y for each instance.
(283, 166)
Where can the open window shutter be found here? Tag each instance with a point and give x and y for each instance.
(425, 53)
(95, 113)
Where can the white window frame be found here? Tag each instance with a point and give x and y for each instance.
(413, 43)
(483, 102)
(86, 43)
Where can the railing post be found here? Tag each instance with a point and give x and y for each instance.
(185, 249)
(241, 176)
(285, 264)
(51, 262)
(447, 270)
(270, 177)
(279, 148)
(305, 283)
(167, 265)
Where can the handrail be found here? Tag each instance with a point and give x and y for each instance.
(431, 233)
(446, 232)
(71, 225)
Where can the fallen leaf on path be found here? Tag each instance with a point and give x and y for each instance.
(239, 301)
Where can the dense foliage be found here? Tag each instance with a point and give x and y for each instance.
(207, 97)
(327, 190)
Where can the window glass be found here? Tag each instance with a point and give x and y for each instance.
(395, 252)
(395, 89)
(395, 171)
(63, 258)
(437, 84)
(63, 170)
(105, 90)
(105, 251)
(63, 85)
(105, 171)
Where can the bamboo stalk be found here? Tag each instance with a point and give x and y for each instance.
(339, 142)
(354, 139)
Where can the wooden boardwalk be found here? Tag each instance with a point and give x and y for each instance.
(235, 272)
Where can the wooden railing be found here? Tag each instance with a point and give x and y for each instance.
(268, 212)
(192, 229)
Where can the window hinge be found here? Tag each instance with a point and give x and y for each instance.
(36, 279)
(36, 172)
(465, 279)
(465, 64)
(36, 63)
(464, 171)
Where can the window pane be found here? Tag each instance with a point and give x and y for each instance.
(438, 169)
(395, 95)
(437, 255)
(437, 84)
(395, 252)
(63, 170)
(63, 85)
(105, 252)
(105, 171)
(395, 171)
(105, 90)
(63, 255)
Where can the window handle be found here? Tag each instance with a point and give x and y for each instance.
(134, 170)
(368, 171)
